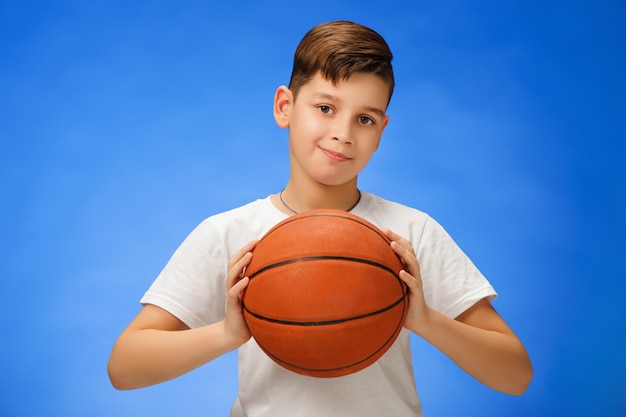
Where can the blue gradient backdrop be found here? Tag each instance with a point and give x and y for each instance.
(124, 124)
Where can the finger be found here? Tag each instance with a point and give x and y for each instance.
(236, 291)
(235, 272)
(409, 279)
(248, 247)
(407, 254)
(393, 236)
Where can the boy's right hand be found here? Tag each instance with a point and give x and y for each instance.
(157, 346)
(234, 323)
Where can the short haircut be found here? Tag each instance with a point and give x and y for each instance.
(339, 49)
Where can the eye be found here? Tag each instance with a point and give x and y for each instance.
(364, 120)
(325, 109)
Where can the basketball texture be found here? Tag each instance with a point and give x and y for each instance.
(324, 297)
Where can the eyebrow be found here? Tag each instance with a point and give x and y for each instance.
(330, 97)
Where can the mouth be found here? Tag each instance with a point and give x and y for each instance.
(335, 156)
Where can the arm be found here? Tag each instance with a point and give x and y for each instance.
(156, 346)
(478, 341)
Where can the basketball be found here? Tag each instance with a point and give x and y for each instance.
(324, 297)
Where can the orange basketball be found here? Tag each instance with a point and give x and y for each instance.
(324, 297)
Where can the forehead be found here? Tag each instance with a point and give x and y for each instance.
(360, 89)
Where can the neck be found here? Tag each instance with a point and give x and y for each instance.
(296, 200)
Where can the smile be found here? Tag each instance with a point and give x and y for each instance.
(334, 156)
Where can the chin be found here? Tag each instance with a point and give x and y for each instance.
(331, 180)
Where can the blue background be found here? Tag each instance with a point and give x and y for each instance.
(124, 124)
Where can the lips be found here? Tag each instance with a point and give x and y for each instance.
(334, 156)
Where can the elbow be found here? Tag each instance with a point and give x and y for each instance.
(519, 385)
(118, 375)
(114, 376)
(524, 382)
(522, 373)
(119, 383)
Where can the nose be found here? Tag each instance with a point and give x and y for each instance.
(342, 130)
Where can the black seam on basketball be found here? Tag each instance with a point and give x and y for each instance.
(325, 322)
(322, 370)
(325, 257)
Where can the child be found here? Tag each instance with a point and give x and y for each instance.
(335, 109)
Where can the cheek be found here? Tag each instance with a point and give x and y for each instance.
(305, 133)
(308, 126)
(369, 142)
(364, 160)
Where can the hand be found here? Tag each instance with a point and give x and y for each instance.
(478, 340)
(418, 310)
(234, 323)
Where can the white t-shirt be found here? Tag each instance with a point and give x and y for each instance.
(192, 288)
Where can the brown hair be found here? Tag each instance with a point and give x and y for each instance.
(339, 49)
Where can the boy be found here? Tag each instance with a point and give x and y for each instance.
(335, 109)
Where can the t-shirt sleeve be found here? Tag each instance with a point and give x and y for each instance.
(192, 284)
(451, 281)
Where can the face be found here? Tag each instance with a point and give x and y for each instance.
(333, 129)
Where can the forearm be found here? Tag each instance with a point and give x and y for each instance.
(496, 359)
(146, 357)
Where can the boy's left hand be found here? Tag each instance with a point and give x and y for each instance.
(478, 340)
(418, 310)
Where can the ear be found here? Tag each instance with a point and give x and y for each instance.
(385, 121)
(283, 100)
